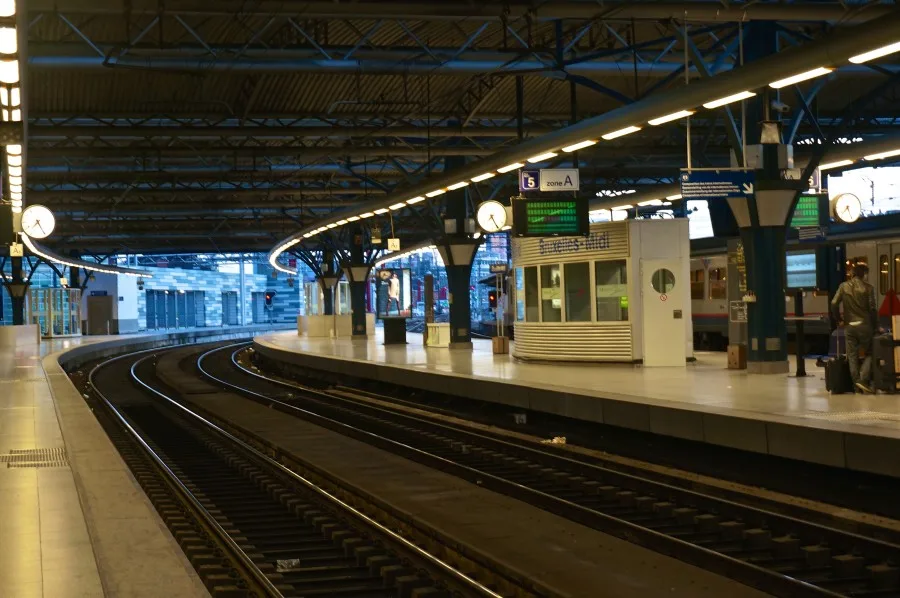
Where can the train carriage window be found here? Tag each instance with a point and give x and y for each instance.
(896, 272)
(718, 285)
(697, 277)
(884, 266)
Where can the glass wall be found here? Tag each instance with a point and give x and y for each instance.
(541, 291)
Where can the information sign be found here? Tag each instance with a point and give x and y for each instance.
(717, 184)
(737, 311)
(549, 179)
(806, 212)
(550, 217)
(500, 268)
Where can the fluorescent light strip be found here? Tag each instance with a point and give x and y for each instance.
(52, 257)
(509, 167)
(627, 206)
(837, 164)
(381, 211)
(580, 145)
(395, 206)
(649, 202)
(482, 177)
(331, 225)
(540, 157)
(675, 197)
(670, 117)
(436, 192)
(800, 77)
(873, 54)
(883, 155)
(621, 133)
(415, 200)
(458, 185)
(341, 222)
(353, 219)
(743, 95)
(366, 214)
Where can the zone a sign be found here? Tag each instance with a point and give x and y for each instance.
(549, 179)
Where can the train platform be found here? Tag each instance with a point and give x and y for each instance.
(76, 523)
(778, 415)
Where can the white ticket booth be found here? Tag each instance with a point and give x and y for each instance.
(621, 294)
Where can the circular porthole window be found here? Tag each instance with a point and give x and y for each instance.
(663, 281)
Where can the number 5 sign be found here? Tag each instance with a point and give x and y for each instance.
(530, 180)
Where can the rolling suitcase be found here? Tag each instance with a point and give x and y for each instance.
(884, 370)
(837, 373)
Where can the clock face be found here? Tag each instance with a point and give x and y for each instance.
(491, 216)
(37, 222)
(847, 208)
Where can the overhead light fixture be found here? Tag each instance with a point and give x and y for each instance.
(8, 42)
(649, 202)
(675, 197)
(458, 185)
(509, 167)
(395, 206)
(17, 209)
(366, 214)
(737, 97)
(837, 164)
(341, 222)
(436, 192)
(15, 170)
(507, 227)
(321, 229)
(415, 200)
(331, 225)
(580, 145)
(15, 180)
(883, 155)
(477, 235)
(627, 206)
(670, 117)
(308, 235)
(353, 219)
(9, 71)
(482, 177)
(621, 133)
(7, 8)
(16, 188)
(14, 160)
(15, 149)
(800, 77)
(13, 195)
(381, 211)
(541, 157)
(873, 54)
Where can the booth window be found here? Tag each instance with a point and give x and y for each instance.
(551, 300)
(531, 295)
(611, 280)
(578, 292)
(697, 284)
(884, 266)
(718, 286)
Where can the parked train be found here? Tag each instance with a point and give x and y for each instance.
(709, 292)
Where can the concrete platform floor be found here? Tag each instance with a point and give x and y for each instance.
(776, 414)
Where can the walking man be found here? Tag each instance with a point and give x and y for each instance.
(860, 320)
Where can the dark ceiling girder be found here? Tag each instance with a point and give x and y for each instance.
(257, 151)
(413, 11)
(36, 131)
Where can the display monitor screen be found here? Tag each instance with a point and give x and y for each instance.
(551, 217)
(801, 269)
(392, 292)
(806, 212)
(877, 188)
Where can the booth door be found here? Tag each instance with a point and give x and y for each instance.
(663, 312)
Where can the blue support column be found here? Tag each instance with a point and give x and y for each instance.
(764, 252)
(358, 274)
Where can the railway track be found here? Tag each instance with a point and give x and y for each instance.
(782, 554)
(249, 524)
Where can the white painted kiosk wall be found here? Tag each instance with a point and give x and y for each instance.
(621, 294)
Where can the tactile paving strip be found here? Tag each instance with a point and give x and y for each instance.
(856, 416)
(47, 457)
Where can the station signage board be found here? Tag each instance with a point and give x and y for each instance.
(717, 184)
(500, 268)
(549, 179)
(551, 217)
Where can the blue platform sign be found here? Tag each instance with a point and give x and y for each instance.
(717, 184)
(530, 180)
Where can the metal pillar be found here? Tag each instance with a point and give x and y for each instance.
(17, 289)
(358, 275)
(458, 251)
(328, 280)
(241, 293)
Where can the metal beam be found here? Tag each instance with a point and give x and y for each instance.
(302, 152)
(513, 9)
(42, 131)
